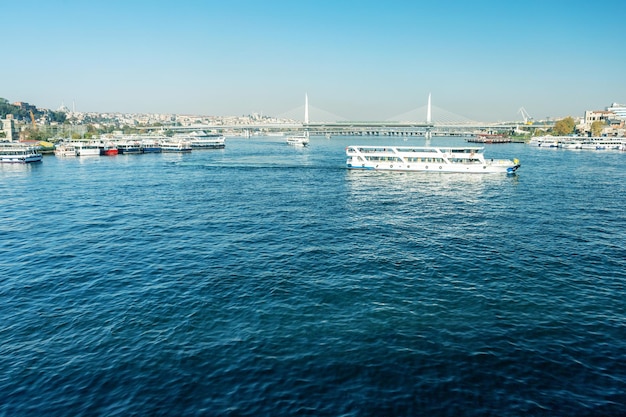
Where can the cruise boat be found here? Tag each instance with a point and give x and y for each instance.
(547, 141)
(579, 142)
(65, 149)
(298, 140)
(303, 138)
(201, 140)
(87, 148)
(151, 145)
(108, 149)
(20, 154)
(173, 145)
(427, 159)
(125, 147)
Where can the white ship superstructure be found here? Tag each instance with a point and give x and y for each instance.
(427, 159)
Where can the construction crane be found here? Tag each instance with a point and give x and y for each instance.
(527, 119)
(32, 117)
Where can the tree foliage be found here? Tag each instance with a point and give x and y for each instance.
(8, 108)
(564, 126)
(596, 128)
(24, 115)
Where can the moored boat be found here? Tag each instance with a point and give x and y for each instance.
(172, 145)
(65, 149)
(108, 149)
(201, 140)
(150, 146)
(427, 159)
(579, 142)
(20, 154)
(128, 147)
(87, 149)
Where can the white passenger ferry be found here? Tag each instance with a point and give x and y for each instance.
(65, 149)
(428, 159)
(16, 153)
(298, 139)
(201, 140)
(580, 142)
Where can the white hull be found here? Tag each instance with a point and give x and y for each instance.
(173, 146)
(298, 141)
(202, 140)
(88, 151)
(577, 142)
(65, 150)
(13, 154)
(427, 159)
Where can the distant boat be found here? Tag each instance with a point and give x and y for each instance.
(427, 159)
(20, 154)
(151, 145)
(65, 149)
(303, 138)
(579, 142)
(129, 146)
(201, 140)
(298, 140)
(108, 149)
(176, 145)
(87, 148)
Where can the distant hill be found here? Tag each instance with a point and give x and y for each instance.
(23, 114)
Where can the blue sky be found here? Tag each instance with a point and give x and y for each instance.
(358, 60)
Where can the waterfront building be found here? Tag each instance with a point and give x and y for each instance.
(619, 110)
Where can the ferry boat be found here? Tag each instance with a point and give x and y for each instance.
(65, 149)
(303, 138)
(20, 154)
(125, 147)
(427, 159)
(298, 140)
(201, 140)
(151, 145)
(108, 149)
(173, 145)
(87, 149)
(579, 142)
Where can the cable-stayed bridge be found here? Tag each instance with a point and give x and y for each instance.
(426, 121)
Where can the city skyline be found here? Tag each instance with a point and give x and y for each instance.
(482, 61)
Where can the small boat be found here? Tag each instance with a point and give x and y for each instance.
(303, 138)
(173, 145)
(65, 149)
(201, 140)
(128, 146)
(427, 159)
(298, 140)
(108, 149)
(151, 146)
(20, 154)
(87, 148)
(579, 142)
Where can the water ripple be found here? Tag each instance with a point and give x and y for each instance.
(261, 280)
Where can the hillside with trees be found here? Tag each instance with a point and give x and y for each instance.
(24, 115)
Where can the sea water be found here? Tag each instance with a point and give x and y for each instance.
(263, 279)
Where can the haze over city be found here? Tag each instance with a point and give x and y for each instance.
(365, 60)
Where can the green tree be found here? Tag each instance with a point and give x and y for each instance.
(564, 126)
(596, 128)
